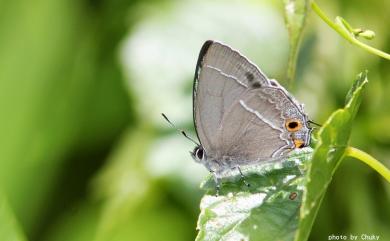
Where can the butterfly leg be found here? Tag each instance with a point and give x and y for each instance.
(217, 183)
(243, 177)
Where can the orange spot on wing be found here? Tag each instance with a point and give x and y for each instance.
(293, 125)
(299, 143)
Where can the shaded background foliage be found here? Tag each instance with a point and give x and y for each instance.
(84, 153)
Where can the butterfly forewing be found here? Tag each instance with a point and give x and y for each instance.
(222, 75)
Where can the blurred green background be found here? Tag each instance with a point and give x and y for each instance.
(84, 152)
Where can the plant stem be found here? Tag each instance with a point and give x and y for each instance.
(369, 160)
(322, 15)
(352, 39)
(292, 64)
(295, 12)
(372, 50)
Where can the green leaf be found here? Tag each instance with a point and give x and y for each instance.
(9, 227)
(295, 12)
(267, 210)
(333, 139)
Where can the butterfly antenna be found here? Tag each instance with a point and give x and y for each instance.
(180, 130)
(314, 123)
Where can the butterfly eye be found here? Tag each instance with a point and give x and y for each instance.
(293, 125)
(199, 153)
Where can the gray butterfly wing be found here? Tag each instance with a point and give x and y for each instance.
(254, 129)
(222, 75)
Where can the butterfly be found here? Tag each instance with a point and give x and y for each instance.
(240, 116)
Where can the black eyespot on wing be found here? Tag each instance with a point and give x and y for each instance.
(251, 79)
(292, 124)
(249, 76)
(256, 85)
